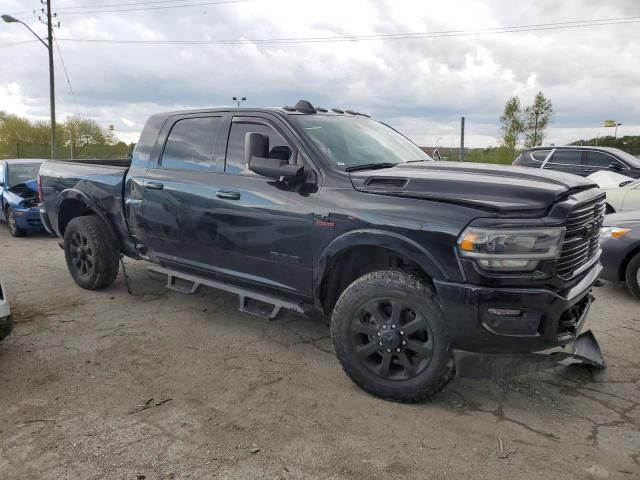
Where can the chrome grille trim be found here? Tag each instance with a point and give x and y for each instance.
(582, 238)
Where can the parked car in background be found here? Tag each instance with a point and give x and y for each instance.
(623, 199)
(581, 161)
(6, 324)
(19, 196)
(621, 250)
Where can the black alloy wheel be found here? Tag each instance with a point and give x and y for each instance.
(391, 339)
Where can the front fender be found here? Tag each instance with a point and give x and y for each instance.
(12, 200)
(376, 238)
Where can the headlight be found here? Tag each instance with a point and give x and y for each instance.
(511, 249)
(613, 232)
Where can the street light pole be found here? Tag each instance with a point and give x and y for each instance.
(49, 47)
(615, 134)
(239, 100)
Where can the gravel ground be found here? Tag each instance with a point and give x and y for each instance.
(159, 385)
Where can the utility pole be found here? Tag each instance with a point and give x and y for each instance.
(49, 46)
(52, 89)
(462, 139)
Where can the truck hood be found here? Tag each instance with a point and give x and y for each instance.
(487, 186)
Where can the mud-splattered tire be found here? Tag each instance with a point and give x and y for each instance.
(12, 225)
(91, 252)
(390, 337)
(632, 276)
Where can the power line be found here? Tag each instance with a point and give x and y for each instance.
(66, 74)
(165, 7)
(107, 5)
(391, 36)
(162, 7)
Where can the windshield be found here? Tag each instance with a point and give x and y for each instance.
(352, 141)
(17, 174)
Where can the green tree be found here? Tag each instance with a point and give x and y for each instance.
(537, 119)
(511, 124)
(80, 132)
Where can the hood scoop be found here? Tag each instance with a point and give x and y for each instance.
(387, 183)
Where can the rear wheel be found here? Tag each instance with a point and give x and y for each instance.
(14, 229)
(91, 252)
(390, 337)
(632, 276)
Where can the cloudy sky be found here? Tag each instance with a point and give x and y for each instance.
(420, 84)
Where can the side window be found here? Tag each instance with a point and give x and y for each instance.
(278, 146)
(602, 160)
(190, 145)
(539, 155)
(566, 157)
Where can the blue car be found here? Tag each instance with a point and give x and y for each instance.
(19, 196)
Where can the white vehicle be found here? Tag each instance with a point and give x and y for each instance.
(623, 193)
(6, 324)
(623, 199)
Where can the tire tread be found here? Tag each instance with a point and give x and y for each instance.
(406, 281)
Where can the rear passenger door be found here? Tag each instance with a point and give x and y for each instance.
(568, 161)
(179, 192)
(264, 225)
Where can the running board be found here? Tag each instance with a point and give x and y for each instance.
(275, 304)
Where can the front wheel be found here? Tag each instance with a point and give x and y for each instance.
(14, 229)
(390, 337)
(91, 252)
(632, 276)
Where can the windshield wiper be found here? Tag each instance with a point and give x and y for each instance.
(370, 166)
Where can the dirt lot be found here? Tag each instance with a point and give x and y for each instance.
(161, 385)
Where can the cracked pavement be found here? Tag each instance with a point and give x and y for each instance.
(160, 385)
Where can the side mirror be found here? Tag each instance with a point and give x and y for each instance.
(276, 168)
(616, 166)
(256, 156)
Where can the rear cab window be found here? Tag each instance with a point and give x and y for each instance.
(190, 145)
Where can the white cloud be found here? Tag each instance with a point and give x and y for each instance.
(420, 86)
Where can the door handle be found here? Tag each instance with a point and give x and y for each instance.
(154, 185)
(228, 195)
(589, 170)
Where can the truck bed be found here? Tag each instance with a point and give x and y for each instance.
(99, 182)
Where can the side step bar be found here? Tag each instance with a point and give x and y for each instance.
(276, 304)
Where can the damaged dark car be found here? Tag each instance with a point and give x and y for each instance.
(19, 196)
(427, 269)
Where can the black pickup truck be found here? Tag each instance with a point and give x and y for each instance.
(426, 268)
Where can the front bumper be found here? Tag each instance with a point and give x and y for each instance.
(28, 218)
(584, 351)
(503, 320)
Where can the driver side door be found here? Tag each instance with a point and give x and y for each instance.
(264, 226)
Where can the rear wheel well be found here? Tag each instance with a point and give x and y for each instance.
(354, 262)
(70, 209)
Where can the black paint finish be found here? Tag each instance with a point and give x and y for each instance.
(286, 239)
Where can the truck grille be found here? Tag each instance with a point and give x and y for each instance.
(582, 238)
